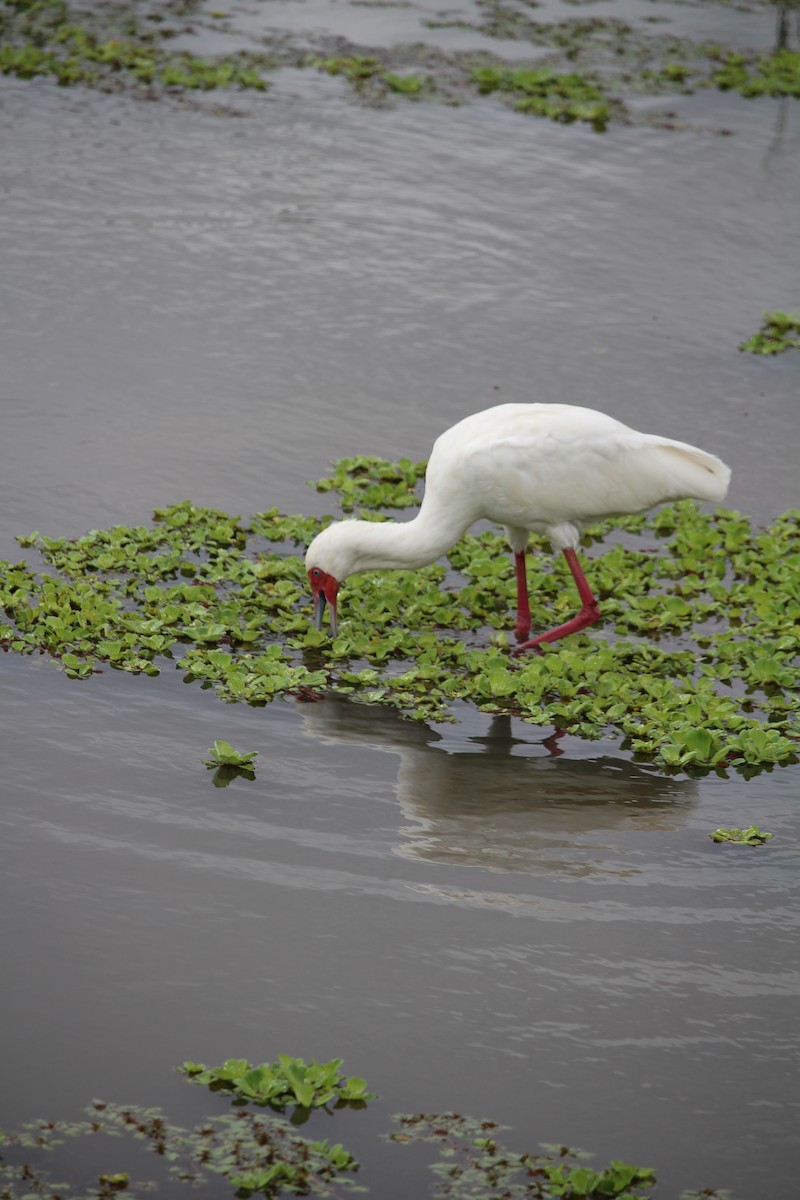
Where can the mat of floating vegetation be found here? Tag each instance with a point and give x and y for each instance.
(595, 65)
(694, 667)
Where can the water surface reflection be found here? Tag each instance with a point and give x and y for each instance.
(505, 803)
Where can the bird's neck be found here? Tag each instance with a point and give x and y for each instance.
(406, 545)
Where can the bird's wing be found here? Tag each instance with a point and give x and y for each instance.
(572, 477)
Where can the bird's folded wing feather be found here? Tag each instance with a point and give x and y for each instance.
(550, 479)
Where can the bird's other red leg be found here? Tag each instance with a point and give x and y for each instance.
(522, 626)
(590, 609)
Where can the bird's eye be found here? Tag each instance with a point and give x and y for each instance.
(316, 572)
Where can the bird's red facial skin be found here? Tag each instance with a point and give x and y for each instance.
(324, 589)
(322, 582)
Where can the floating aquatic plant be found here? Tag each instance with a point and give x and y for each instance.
(768, 75)
(222, 754)
(286, 1082)
(779, 332)
(230, 764)
(544, 92)
(751, 836)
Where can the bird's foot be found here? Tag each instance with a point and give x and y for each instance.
(522, 632)
(587, 616)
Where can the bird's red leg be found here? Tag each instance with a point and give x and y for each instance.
(590, 609)
(522, 628)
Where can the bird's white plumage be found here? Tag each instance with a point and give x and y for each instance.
(549, 468)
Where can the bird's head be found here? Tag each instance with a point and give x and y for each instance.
(324, 590)
(328, 561)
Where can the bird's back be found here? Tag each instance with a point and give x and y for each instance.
(538, 466)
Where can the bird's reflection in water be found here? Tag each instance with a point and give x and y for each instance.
(505, 803)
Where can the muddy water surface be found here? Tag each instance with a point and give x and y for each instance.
(208, 306)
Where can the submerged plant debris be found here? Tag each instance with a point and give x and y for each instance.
(582, 68)
(253, 1152)
(694, 668)
(260, 1152)
(474, 1165)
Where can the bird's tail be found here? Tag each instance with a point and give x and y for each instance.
(692, 472)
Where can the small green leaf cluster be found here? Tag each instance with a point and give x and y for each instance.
(675, 71)
(363, 70)
(356, 68)
(372, 483)
(222, 754)
(751, 836)
(617, 1179)
(230, 763)
(406, 85)
(773, 75)
(545, 93)
(779, 332)
(288, 1081)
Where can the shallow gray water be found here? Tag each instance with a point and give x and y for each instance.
(207, 307)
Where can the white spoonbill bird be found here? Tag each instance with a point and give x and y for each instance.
(546, 468)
